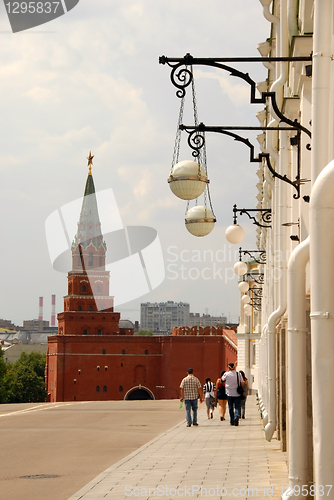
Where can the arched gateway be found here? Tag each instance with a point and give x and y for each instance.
(139, 393)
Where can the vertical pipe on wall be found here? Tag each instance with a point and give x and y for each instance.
(296, 364)
(280, 202)
(321, 85)
(322, 325)
(322, 248)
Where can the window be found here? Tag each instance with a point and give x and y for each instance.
(98, 368)
(104, 388)
(120, 388)
(83, 288)
(146, 351)
(98, 289)
(123, 351)
(90, 308)
(100, 261)
(97, 388)
(85, 332)
(105, 368)
(104, 351)
(80, 308)
(99, 332)
(90, 259)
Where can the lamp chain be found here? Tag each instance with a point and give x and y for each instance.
(202, 159)
(177, 143)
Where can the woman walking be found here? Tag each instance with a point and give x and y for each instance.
(221, 396)
(246, 389)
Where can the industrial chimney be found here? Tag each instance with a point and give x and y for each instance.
(53, 310)
(40, 309)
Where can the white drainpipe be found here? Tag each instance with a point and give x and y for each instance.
(281, 216)
(322, 249)
(296, 356)
(282, 278)
(322, 324)
(321, 85)
(292, 18)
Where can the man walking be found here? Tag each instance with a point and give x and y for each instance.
(190, 390)
(231, 379)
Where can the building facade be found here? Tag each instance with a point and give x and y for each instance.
(287, 343)
(163, 316)
(195, 319)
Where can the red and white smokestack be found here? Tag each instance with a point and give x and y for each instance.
(40, 310)
(53, 310)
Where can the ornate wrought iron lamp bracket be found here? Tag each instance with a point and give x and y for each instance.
(257, 277)
(257, 291)
(196, 142)
(265, 215)
(261, 259)
(256, 304)
(183, 78)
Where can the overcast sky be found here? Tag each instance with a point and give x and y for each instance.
(90, 80)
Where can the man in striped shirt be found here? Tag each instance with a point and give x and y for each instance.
(191, 389)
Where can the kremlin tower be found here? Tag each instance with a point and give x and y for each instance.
(88, 308)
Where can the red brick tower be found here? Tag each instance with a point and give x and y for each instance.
(88, 308)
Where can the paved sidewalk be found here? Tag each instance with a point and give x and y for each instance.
(213, 460)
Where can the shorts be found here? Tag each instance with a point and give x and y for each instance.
(210, 402)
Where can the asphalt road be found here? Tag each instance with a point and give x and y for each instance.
(72, 442)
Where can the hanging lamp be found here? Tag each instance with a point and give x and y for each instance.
(200, 219)
(187, 179)
(243, 286)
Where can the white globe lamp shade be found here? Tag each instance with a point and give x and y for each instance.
(234, 234)
(248, 310)
(200, 221)
(240, 268)
(245, 299)
(187, 180)
(243, 286)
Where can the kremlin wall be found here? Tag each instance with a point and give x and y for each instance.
(93, 359)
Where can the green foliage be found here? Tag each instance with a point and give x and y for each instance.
(23, 381)
(144, 332)
(2, 375)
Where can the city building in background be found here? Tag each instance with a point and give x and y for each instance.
(195, 319)
(161, 317)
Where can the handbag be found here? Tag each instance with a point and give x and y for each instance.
(240, 389)
(213, 401)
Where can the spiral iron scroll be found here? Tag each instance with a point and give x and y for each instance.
(257, 277)
(261, 259)
(257, 291)
(181, 80)
(265, 216)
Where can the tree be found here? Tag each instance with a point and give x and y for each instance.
(144, 332)
(24, 380)
(2, 376)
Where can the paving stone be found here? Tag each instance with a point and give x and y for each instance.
(213, 455)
